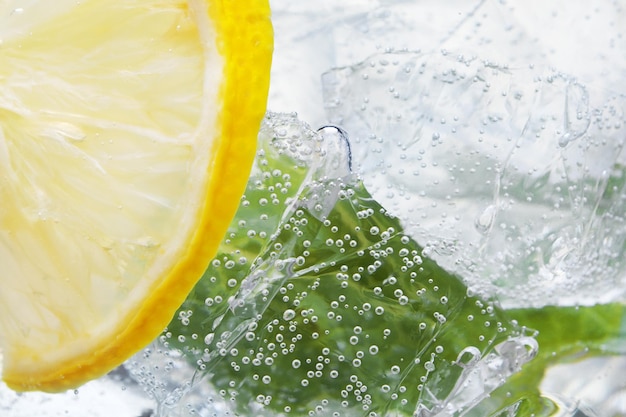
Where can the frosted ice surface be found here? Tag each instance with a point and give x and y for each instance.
(517, 175)
(574, 37)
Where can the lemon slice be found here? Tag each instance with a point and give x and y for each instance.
(127, 132)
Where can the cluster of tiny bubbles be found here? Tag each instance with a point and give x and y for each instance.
(163, 373)
(333, 312)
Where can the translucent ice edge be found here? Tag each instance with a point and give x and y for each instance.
(481, 376)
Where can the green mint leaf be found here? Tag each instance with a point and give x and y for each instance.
(318, 302)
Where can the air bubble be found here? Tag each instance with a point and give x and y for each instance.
(289, 314)
(468, 357)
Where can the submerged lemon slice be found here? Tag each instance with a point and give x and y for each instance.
(127, 132)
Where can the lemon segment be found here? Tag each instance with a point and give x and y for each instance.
(127, 132)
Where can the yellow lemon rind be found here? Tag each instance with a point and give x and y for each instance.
(244, 36)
